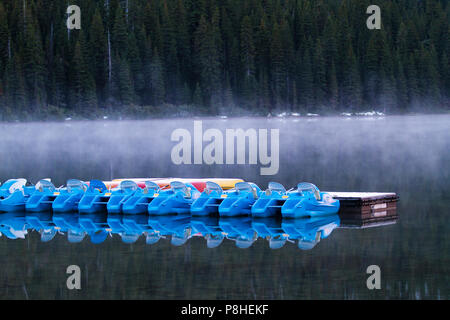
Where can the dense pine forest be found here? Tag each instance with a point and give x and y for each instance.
(136, 58)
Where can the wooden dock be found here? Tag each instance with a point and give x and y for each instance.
(366, 209)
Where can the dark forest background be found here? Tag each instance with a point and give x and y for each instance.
(137, 58)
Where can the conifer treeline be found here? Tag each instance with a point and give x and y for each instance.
(222, 56)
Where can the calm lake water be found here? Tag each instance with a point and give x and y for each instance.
(409, 155)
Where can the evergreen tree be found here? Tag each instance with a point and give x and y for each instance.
(253, 55)
(99, 55)
(157, 79)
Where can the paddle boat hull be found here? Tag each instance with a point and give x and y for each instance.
(178, 227)
(238, 230)
(270, 229)
(127, 189)
(13, 225)
(95, 198)
(208, 228)
(42, 198)
(270, 202)
(240, 201)
(96, 226)
(200, 184)
(69, 223)
(308, 201)
(177, 200)
(14, 194)
(209, 201)
(309, 231)
(138, 202)
(67, 202)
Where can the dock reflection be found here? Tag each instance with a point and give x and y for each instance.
(178, 229)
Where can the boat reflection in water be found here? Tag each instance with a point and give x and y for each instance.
(306, 233)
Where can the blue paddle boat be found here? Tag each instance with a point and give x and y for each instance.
(209, 201)
(96, 226)
(137, 203)
(240, 201)
(95, 198)
(178, 227)
(117, 226)
(308, 201)
(239, 230)
(137, 224)
(42, 199)
(271, 230)
(68, 198)
(13, 225)
(43, 223)
(14, 194)
(69, 223)
(177, 199)
(309, 231)
(208, 228)
(270, 202)
(119, 196)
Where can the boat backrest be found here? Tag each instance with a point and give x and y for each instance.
(98, 236)
(48, 234)
(150, 185)
(243, 187)
(214, 240)
(178, 240)
(13, 184)
(178, 186)
(74, 184)
(275, 186)
(306, 245)
(129, 237)
(74, 236)
(45, 185)
(247, 187)
(97, 184)
(244, 242)
(152, 238)
(308, 187)
(212, 186)
(128, 186)
(277, 241)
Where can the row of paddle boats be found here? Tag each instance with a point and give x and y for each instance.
(243, 231)
(198, 197)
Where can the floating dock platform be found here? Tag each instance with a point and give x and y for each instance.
(366, 209)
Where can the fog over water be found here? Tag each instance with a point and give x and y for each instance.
(409, 155)
(335, 153)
